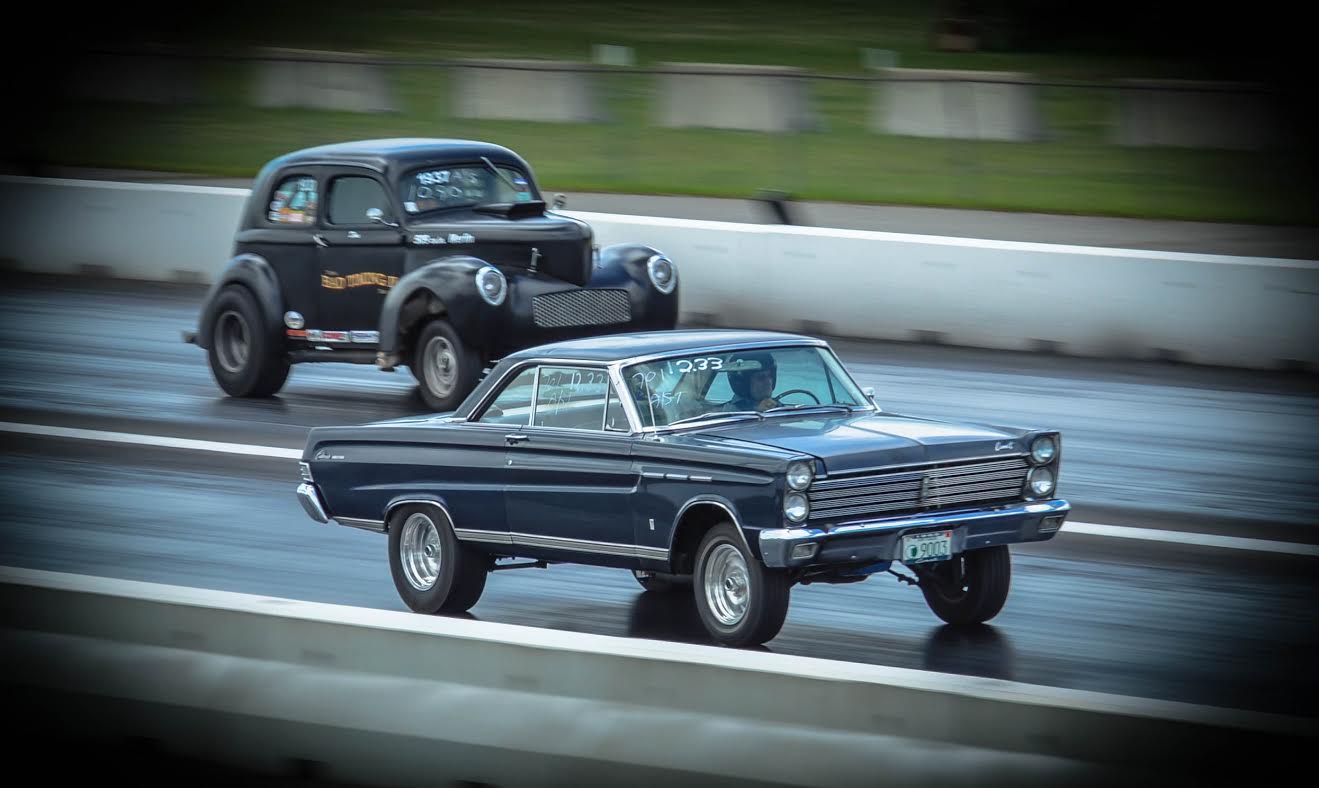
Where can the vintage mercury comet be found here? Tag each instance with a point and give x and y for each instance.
(437, 255)
(740, 463)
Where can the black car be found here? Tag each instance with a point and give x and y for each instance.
(740, 463)
(439, 255)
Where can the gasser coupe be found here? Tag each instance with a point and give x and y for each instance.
(438, 255)
(739, 463)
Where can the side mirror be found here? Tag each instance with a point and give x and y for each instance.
(560, 200)
(869, 391)
(378, 216)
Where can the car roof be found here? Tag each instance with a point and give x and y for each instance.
(621, 347)
(386, 155)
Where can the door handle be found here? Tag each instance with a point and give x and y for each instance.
(320, 240)
(353, 234)
(515, 439)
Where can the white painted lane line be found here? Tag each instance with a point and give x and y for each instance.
(1183, 537)
(1088, 529)
(151, 440)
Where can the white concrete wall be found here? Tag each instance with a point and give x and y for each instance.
(972, 105)
(322, 80)
(538, 90)
(1188, 114)
(1235, 311)
(719, 96)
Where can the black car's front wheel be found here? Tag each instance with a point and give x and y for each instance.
(742, 602)
(243, 357)
(969, 588)
(446, 369)
(432, 570)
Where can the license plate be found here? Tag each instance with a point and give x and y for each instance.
(932, 546)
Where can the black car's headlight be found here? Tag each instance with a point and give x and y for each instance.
(1044, 449)
(492, 285)
(1040, 483)
(796, 507)
(800, 475)
(663, 275)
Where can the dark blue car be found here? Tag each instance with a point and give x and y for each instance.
(734, 463)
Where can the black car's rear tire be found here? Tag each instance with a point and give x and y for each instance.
(742, 602)
(661, 583)
(986, 575)
(433, 571)
(244, 360)
(446, 369)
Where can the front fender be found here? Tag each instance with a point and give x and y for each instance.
(446, 286)
(257, 275)
(624, 266)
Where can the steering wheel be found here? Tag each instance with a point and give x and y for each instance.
(781, 395)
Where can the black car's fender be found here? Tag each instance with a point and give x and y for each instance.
(446, 286)
(258, 276)
(623, 266)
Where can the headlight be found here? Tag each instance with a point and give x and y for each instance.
(796, 507)
(1040, 482)
(800, 475)
(492, 285)
(1044, 450)
(662, 273)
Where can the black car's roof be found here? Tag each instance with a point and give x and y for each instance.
(388, 155)
(619, 347)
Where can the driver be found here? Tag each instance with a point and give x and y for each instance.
(752, 381)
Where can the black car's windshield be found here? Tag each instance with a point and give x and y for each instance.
(438, 188)
(690, 388)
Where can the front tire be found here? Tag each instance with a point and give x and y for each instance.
(433, 572)
(244, 359)
(741, 601)
(978, 595)
(446, 369)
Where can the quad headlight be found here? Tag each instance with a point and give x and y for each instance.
(800, 475)
(796, 507)
(663, 275)
(1044, 450)
(1040, 483)
(492, 285)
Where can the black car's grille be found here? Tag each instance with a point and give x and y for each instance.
(912, 490)
(581, 308)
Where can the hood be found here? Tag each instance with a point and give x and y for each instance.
(854, 442)
(562, 244)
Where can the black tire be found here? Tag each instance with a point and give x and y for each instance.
(661, 583)
(244, 359)
(446, 369)
(765, 590)
(986, 577)
(460, 575)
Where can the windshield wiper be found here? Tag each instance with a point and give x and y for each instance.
(714, 414)
(786, 408)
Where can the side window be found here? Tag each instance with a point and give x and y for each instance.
(513, 405)
(615, 416)
(353, 197)
(294, 201)
(571, 397)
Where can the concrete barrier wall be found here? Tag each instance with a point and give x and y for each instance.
(541, 90)
(1197, 115)
(379, 697)
(322, 80)
(972, 105)
(718, 96)
(1235, 311)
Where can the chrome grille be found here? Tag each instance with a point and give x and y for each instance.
(900, 490)
(581, 308)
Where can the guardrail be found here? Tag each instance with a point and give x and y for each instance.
(1087, 301)
(374, 697)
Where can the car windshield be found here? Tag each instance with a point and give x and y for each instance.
(439, 188)
(749, 383)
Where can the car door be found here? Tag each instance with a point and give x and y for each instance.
(570, 480)
(285, 234)
(359, 257)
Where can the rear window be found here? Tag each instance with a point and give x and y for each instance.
(294, 201)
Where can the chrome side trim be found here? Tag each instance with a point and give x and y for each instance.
(375, 526)
(477, 535)
(651, 475)
(560, 543)
(701, 478)
(447, 516)
(673, 530)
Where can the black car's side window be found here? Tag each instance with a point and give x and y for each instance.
(513, 405)
(355, 199)
(294, 201)
(571, 398)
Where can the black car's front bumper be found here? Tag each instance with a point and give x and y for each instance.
(881, 540)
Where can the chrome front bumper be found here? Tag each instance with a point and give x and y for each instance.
(881, 540)
(311, 502)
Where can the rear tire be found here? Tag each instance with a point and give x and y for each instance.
(244, 359)
(446, 369)
(742, 602)
(433, 571)
(986, 578)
